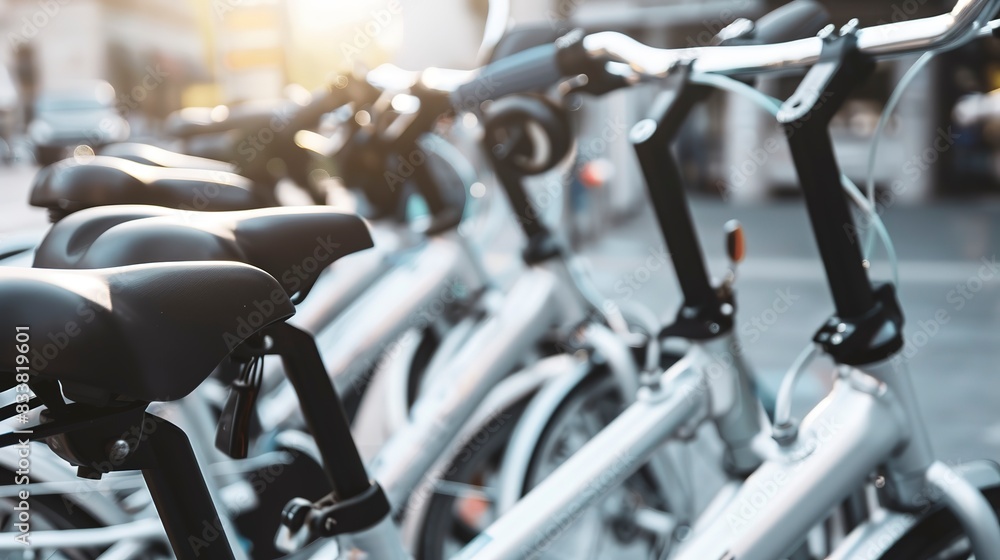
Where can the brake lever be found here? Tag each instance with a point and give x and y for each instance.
(596, 77)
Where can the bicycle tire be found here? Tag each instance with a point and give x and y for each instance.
(937, 536)
(425, 351)
(429, 343)
(441, 523)
(598, 386)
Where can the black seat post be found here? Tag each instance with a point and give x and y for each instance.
(356, 503)
(322, 409)
(181, 496)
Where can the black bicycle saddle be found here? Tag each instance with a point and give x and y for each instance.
(293, 244)
(148, 154)
(71, 185)
(251, 115)
(145, 333)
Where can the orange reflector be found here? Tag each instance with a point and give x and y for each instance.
(595, 174)
(472, 511)
(735, 241)
(590, 175)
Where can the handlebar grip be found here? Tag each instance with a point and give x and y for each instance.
(796, 20)
(527, 71)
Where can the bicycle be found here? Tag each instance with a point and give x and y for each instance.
(687, 392)
(814, 470)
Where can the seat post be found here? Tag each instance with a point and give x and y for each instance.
(181, 496)
(357, 503)
(322, 409)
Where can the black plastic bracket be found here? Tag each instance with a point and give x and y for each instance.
(867, 324)
(707, 311)
(866, 339)
(329, 516)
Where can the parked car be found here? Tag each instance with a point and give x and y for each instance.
(82, 115)
(8, 113)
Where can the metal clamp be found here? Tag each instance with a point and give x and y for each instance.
(302, 521)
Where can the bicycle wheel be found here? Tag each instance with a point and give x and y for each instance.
(429, 341)
(938, 536)
(611, 528)
(48, 513)
(463, 506)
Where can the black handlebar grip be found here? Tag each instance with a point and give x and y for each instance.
(796, 20)
(527, 71)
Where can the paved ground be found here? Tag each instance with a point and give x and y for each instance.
(954, 339)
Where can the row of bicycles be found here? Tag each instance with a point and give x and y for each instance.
(192, 366)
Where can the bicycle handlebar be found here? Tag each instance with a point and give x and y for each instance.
(529, 70)
(880, 41)
(544, 66)
(541, 67)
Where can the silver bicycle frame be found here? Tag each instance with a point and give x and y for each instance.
(538, 304)
(143, 529)
(867, 421)
(47, 467)
(414, 294)
(518, 455)
(872, 539)
(20, 247)
(511, 390)
(707, 384)
(535, 305)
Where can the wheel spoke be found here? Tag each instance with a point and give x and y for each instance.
(463, 490)
(654, 521)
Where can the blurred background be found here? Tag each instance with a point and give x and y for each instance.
(101, 71)
(160, 56)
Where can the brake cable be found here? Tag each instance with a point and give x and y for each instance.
(890, 106)
(784, 430)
